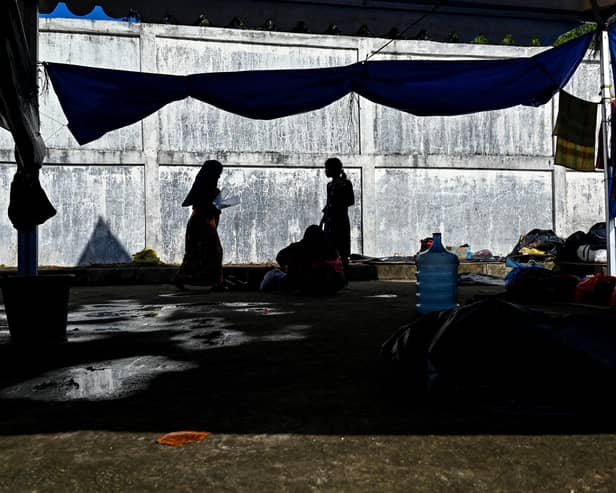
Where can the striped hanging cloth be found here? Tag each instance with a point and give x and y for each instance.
(576, 128)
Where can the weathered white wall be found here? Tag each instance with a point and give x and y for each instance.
(441, 200)
(276, 204)
(483, 179)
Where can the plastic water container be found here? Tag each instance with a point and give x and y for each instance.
(437, 278)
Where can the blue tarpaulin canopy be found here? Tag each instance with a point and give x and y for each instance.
(97, 101)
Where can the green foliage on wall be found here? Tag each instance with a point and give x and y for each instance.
(576, 32)
(453, 38)
(481, 39)
(508, 40)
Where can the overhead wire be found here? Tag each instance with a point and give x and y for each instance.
(437, 6)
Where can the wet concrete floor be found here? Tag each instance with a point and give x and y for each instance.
(290, 389)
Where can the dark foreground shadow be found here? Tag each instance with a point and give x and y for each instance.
(308, 373)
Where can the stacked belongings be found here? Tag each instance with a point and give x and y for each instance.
(586, 247)
(534, 284)
(540, 244)
(531, 282)
(591, 247)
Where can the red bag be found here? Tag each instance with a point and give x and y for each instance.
(597, 290)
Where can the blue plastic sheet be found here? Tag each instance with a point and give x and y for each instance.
(610, 171)
(96, 101)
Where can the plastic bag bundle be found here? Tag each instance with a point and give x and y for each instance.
(597, 290)
(532, 283)
(544, 240)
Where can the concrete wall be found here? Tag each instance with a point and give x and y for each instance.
(483, 179)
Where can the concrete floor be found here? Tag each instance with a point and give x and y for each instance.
(290, 389)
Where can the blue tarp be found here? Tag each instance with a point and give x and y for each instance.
(62, 11)
(610, 170)
(96, 101)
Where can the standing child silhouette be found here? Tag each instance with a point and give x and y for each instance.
(335, 222)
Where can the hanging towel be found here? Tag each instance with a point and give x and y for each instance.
(576, 128)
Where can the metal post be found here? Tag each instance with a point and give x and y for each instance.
(27, 241)
(606, 98)
(27, 253)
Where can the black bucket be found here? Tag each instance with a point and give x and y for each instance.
(36, 308)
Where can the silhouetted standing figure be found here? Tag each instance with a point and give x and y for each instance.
(335, 220)
(202, 262)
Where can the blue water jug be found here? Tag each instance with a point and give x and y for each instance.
(437, 278)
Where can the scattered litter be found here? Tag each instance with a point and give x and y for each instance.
(463, 252)
(383, 296)
(531, 251)
(178, 438)
(472, 278)
(394, 258)
(483, 255)
(146, 256)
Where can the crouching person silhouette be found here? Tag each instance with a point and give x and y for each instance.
(309, 266)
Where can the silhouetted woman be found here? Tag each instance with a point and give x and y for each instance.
(335, 220)
(202, 262)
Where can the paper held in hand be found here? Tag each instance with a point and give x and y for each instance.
(222, 202)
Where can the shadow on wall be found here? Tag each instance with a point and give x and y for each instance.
(103, 247)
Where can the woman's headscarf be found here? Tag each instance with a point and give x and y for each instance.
(205, 183)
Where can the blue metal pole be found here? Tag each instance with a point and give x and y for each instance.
(27, 241)
(27, 253)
